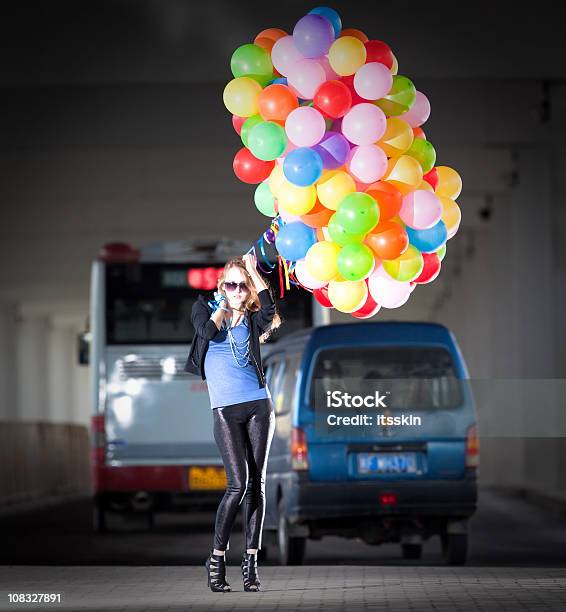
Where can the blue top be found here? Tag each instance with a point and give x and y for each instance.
(227, 382)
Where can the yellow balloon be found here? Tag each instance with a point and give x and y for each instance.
(276, 179)
(451, 215)
(241, 96)
(346, 55)
(294, 199)
(347, 296)
(333, 186)
(395, 66)
(321, 258)
(398, 137)
(449, 182)
(452, 232)
(425, 185)
(404, 172)
(407, 266)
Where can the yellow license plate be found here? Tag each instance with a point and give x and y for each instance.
(207, 478)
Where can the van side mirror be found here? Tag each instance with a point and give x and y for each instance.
(83, 344)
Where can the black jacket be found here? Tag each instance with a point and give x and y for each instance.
(205, 329)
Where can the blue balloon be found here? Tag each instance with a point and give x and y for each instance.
(294, 239)
(428, 240)
(279, 81)
(331, 15)
(302, 166)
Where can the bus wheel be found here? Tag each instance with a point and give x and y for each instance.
(291, 550)
(99, 516)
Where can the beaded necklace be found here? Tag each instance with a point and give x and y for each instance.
(240, 350)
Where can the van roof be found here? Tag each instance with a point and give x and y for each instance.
(381, 331)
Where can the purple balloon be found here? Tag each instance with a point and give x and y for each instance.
(313, 35)
(333, 149)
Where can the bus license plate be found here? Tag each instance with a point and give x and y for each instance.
(383, 463)
(209, 477)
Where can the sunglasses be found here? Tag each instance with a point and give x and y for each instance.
(230, 286)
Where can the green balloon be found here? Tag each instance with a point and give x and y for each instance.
(441, 252)
(358, 213)
(400, 98)
(247, 126)
(423, 151)
(264, 200)
(339, 235)
(252, 61)
(267, 140)
(355, 261)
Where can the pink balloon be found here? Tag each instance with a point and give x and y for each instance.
(364, 124)
(305, 77)
(287, 216)
(330, 74)
(305, 126)
(419, 112)
(284, 54)
(305, 278)
(421, 209)
(373, 81)
(367, 163)
(387, 291)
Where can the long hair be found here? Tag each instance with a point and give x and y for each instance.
(252, 303)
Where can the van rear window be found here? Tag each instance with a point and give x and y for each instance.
(418, 377)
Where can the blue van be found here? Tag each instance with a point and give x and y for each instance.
(400, 479)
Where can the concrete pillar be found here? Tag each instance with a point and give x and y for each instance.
(8, 361)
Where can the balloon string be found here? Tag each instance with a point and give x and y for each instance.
(287, 286)
(280, 278)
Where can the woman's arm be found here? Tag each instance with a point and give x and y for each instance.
(264, 316)
(205, 325)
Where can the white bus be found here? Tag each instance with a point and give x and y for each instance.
(152, 443)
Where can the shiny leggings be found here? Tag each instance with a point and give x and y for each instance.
(243, 433)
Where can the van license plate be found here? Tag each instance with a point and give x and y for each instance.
(207, 477)
(383, 463)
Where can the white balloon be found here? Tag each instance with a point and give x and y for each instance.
(305, 278)
(387, 291)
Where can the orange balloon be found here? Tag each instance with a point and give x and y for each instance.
(388, 240)
(318, 216)
(276, 102)
(355, 33)
(388, 198)
(267, 38)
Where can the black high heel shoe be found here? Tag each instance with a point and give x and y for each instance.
(216, 569)
(249, 572)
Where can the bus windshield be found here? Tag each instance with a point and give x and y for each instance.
(151, 303)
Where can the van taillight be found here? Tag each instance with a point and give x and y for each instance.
(472, 447)
(299, 459)
(98, 440)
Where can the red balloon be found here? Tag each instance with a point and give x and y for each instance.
(378, 51)
(321, 296)
(432, 178)
(369, 308)
(431, 269)
(333, 99)
(238, 122)
(349, 82)
(249, 168)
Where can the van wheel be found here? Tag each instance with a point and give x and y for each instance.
(412, 551)
(291, 550)
(454, 548)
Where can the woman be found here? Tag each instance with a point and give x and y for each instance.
(229, 332)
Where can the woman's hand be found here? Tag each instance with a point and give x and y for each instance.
(250, 261)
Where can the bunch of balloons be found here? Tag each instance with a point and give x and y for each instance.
(332, 137)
